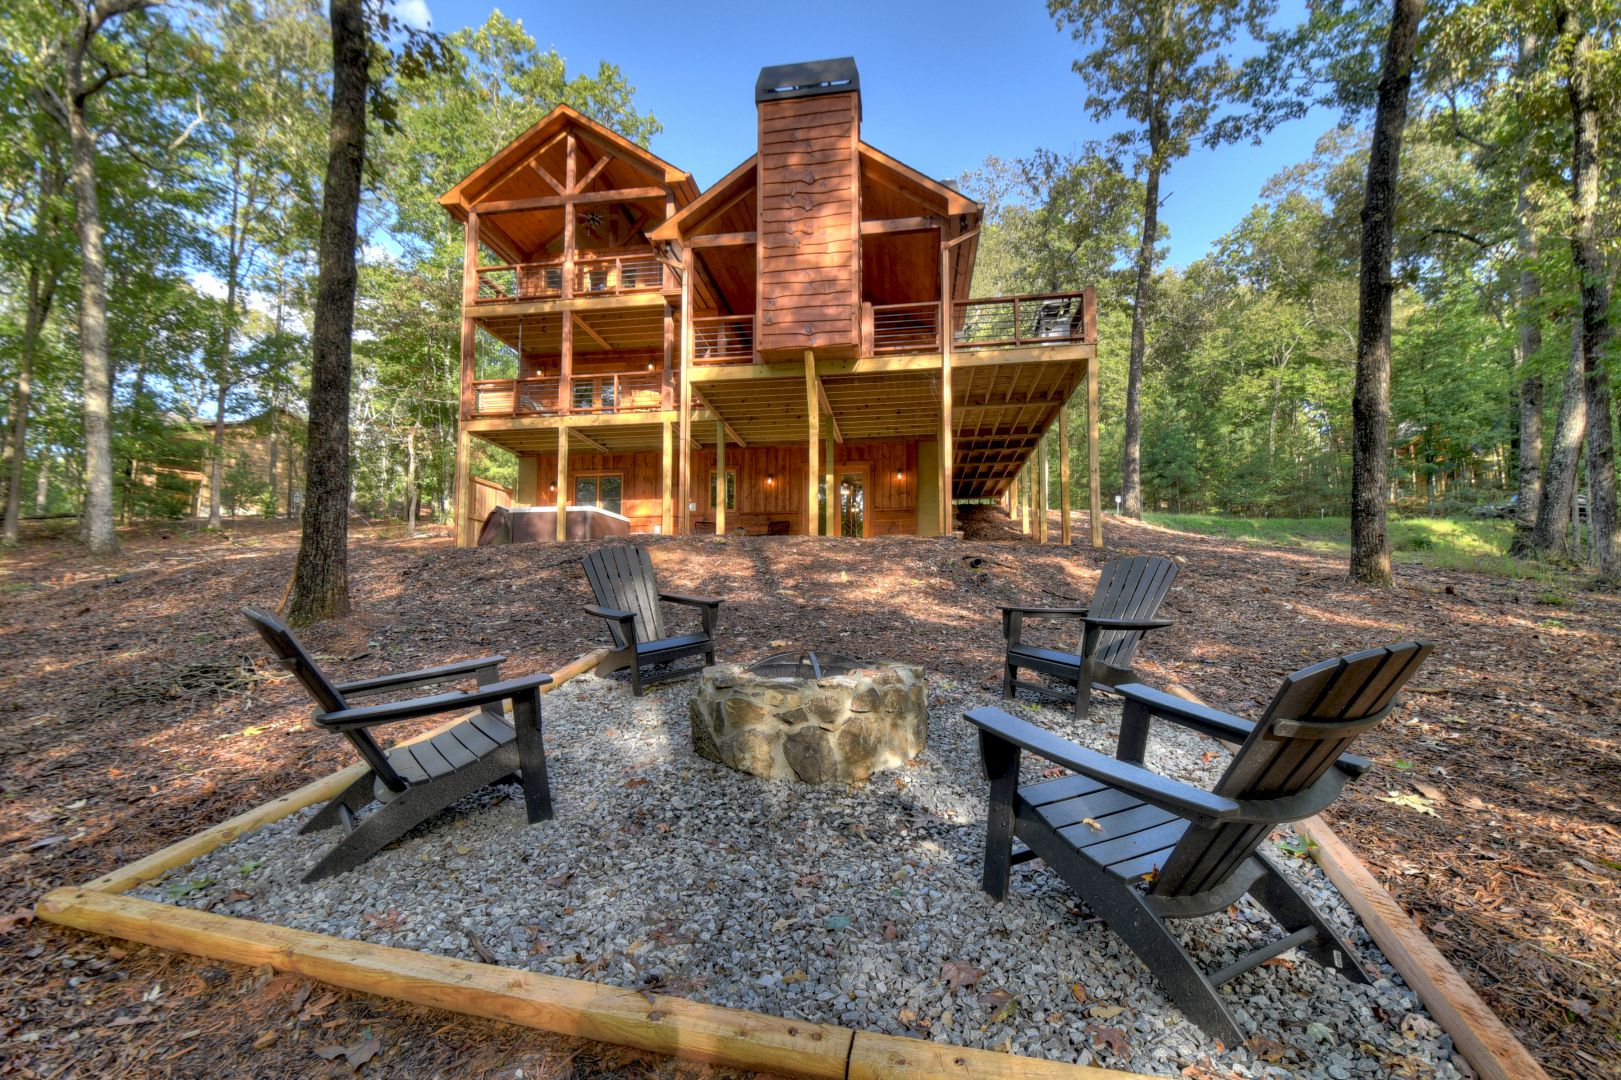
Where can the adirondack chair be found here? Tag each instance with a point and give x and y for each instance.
(417, 780)
(628, 599)
(1128, 593)
(1140, 848)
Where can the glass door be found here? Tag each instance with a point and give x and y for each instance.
(853, 503)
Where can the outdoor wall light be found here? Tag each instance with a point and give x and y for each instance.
(770, 479)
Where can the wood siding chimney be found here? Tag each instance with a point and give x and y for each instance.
(809, 210)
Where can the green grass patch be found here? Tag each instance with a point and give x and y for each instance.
(1447, 543)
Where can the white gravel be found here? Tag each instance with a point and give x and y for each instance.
(663, 870)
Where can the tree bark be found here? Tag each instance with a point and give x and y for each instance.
(1370, 407)
(413, 496)
(216, 464)
(1550, 535)
(1593, 277)
(321, 574)
(1529, 481)
(41, 291)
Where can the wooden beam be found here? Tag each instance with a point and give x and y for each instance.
(821, 395)
(1064, 533)
(1029, 491)
(666, 495)
(730, 239)
(946, 474)
(594, 302)
(685, 407)
(812, 419)
(576, 433)
(731, 432)
(720, 478)
(890, 226)
(565, 380)
(496, 424)
(585, 182)
(1044, 485)
(579, 321)
(548, 177)
(830, 519)
(552, 202)
(561, 501)
(464, 486)
(1094, 497)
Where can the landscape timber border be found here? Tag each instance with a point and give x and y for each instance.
(675, 1026)
(658, 1023)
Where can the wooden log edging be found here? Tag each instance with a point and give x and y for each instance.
(1488, 1044)
(713, 1034)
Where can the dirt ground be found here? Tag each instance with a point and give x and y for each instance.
(136, 708)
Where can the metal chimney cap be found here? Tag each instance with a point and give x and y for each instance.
(837, 76)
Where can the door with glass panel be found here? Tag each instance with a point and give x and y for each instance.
(602, 490)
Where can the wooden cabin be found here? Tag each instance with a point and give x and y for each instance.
(794, 350)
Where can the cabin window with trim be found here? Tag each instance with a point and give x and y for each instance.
(602, 490)
(731, 489)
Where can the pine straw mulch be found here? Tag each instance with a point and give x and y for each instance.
(136, 708)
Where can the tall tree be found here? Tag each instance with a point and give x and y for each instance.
(85, 71)
(1529, 474)
(1163, 63)
(1370, 406)
(321, 574)
(1593, 280)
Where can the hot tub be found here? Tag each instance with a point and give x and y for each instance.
(527, 524)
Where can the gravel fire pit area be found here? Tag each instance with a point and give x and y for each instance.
(851, 905)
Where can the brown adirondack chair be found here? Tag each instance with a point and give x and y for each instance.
(1140, 848)
(412, 782)
(1128, 594)
(628, 599)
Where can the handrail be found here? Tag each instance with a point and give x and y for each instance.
(541, 395)
(723, 339)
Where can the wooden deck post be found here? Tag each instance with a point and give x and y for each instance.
(1045, 487)
(469, 349)
(1064, 533)
(720, 477)
(813, 417)
(1024, 504)
(684, 436)
(464, 487)
(569, 166)
(946, 519)
(667, 496)
(1094, 494)
(565, 382)
(830, 521)
(562, 484)
(1013, 497)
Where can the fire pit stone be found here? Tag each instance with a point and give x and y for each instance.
(821, 720)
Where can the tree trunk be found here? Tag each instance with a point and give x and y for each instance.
(1593, 277)
(1549, 536)
(1530, 458)
(216, 464)
(1370, 408)
(321, 574)
(413, 497)
(97, 526)
(1131, 470)
(41, 291)
(42, 485)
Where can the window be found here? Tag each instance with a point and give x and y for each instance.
(731, 489)
(602, 490)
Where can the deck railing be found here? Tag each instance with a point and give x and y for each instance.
(905, 328)
(723, 339)
(595, 274)
(598, 392)
(1038, 319)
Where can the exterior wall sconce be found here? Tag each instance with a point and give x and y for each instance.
(900, 476)
(770, 479)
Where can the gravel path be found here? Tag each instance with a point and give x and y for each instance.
(856, 907)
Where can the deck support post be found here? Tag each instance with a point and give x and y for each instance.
(684, 436)
(565, 383)
(562, 484)
(832, 523)
(1044, 485)
(1013, 497)
(469, 349)
(946, 477)
(720, 477)
(813, 417)
(464, 488)
(568, 219)
(666, 496)
(1024, 501)
(1065, 536)
(1094, 495)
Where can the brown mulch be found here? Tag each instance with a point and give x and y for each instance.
(136, 708)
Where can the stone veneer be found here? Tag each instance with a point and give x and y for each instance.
(837, 729)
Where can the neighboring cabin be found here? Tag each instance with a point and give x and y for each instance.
(782, 330)
(263, 467)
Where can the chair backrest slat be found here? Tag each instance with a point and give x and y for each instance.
(622, 577)
(291, 652)
(1314, 717)
(1129, 589)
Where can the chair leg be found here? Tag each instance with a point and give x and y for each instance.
(355, 796)
(1010, 673)
(1001, 760)
(1293, 911)
(635, 678)
(537, 791)
(1083, 700)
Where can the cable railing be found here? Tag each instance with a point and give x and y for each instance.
(1037, 319)
(723, 339)
(905, 328)
(617, 274)
(595, 274)
(520, 281)
(598, 392)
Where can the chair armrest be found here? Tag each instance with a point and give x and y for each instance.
(1103, 623)
(373, 715)
(1049, 612)
(612, 614)
(1184, 800)
(690, 601)
(1189, 714)
(405, 680)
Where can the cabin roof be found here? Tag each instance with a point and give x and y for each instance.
(459, 199)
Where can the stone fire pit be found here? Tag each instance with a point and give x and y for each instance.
(819, 719)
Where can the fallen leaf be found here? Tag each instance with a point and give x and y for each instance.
(265, 1041)
(1078, 992)
(1005, 1003)
(890, 932)
(1091, 823)
(557, 881)
(1279, 962)
(1105, 1012)
(1412, 802)
(1115, 1039)
(957, 974)
(1266, 1049)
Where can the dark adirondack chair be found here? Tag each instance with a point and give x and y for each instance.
(1128, 593)
(415, 781)
(1140, 848)
(628, 599)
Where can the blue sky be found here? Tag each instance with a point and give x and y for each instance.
(943, 85)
